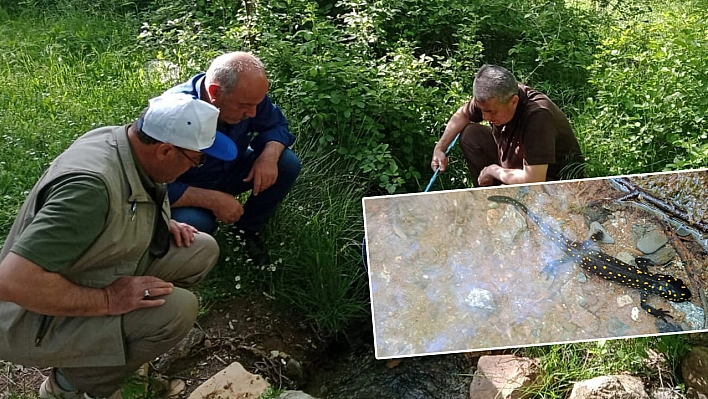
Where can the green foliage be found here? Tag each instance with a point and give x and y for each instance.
(367, 87)
(319, 231)
(62, 77)
(563, 365)
(271, 393)
(648, 113)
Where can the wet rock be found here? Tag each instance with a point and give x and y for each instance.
(295, 395)
(651, 242)
(616, 328)
(606, 238)
(682, 231)
(625, 257)
(176, 389)
(596, 214)
(638, 231)
(293, 369)
(581, 277)
(662, 256)
(181, 350)
(508, 226)
(666, 326)
(695, 370)
(665, 393)
(624, 300)
(609, 387)
(480, 298)
(231, 383)
(504, 377)
(695, 315)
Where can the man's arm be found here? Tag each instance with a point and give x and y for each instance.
(529, 174)
(33, 288)
(225, 206)
(265, 169)
(455, 125)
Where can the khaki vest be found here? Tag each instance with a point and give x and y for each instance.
(125, 239)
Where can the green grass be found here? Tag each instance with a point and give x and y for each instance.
(67, 71)
(315, 244)
(62, 76)
(320, 228)
(654, 358)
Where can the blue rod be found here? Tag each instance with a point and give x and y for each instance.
(437, 170)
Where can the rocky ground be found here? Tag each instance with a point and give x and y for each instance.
(290, 354)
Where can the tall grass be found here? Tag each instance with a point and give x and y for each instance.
(320, 227)
(657, 359)
(62, 76)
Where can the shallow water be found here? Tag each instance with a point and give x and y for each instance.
(453, 271)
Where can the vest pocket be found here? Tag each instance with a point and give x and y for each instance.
(44, 323)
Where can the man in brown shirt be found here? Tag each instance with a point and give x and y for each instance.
(530, 139)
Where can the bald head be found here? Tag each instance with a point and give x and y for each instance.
(227, 69)
(235, 83)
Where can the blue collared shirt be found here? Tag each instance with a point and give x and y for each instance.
(268, 125)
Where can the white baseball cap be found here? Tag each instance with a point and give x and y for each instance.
(187, 122)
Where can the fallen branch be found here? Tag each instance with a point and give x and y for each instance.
(663, 206)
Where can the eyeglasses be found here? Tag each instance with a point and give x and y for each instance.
(195, 164)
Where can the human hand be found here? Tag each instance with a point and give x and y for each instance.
(439, 160)
(182, 233)
(128, 293)
(488, 175)
(263, 173)
(227, 209)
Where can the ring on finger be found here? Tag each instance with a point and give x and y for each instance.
(146, 294)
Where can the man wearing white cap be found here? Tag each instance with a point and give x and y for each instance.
(94, 270)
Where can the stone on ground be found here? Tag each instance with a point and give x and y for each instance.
(233, 382)
(695, 370)
(610, 387)
(504, 377)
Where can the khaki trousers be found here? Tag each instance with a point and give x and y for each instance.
(150, 332)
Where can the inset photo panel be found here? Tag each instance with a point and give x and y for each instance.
(513, 266)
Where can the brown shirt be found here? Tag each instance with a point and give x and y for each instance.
(539, 134)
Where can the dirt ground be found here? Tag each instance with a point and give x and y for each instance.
(279, 347)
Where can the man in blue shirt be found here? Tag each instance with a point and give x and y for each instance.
(237, 84)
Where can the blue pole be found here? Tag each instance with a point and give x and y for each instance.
(437, 170)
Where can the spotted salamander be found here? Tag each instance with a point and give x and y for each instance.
(601, 264)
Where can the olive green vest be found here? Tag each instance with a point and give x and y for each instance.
(125, 239)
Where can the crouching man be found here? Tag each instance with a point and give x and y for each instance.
(93, 272)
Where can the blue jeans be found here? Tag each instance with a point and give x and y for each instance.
(257, 209)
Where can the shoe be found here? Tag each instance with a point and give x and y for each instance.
(50, 389)
(254, 247)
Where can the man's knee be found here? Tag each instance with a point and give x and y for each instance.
(166, 324)
(288, 166)
(477, 137)
(199, 218)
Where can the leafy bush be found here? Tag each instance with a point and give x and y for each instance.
(649, 111)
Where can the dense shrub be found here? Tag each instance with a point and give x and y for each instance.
(649, 112)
